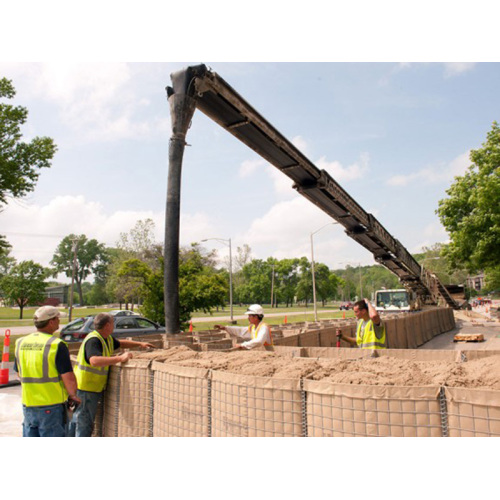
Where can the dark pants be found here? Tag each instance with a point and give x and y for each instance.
(82, 423)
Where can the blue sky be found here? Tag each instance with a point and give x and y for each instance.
(394, 135)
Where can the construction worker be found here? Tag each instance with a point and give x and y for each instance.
(258, 333)
(92, 368)
(43, 364)
(370, 332)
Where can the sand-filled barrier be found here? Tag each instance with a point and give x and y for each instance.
(304, 392)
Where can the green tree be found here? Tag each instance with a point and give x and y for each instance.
(286, 280)
(24, 284)
(20, 161)
(6, 260)
(471, 212)
(200, 287)
(91, 258)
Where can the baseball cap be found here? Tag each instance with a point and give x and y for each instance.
(45, 313)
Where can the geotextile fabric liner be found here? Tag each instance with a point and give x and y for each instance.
(181, 401)
(473, 412)
(249, 406)
(128, 406)
(341, 410)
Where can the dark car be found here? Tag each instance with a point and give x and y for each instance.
(345, 306)
(125, 326)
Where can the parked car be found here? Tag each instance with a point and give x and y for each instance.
(123, 312)
(345, 306)
(125, 326)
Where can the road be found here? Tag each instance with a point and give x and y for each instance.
(21, 330)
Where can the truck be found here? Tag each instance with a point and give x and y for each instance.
(395, 300)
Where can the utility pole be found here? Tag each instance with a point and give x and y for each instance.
(70, 312)
(272, 287)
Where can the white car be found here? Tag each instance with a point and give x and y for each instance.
(123, 312)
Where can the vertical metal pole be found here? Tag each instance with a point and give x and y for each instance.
(230, 280)
(182, 108)
(313, 280)
(70, 312)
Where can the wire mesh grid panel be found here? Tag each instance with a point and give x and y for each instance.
(473, 412)
(111, 402)
(249, 406)
(181, 401)
(341, 410)
(136, 399)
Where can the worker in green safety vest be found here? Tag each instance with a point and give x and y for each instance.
(370, 330)
(43, 364)
(95, 356)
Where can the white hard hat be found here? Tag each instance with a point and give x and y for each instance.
(255, 309)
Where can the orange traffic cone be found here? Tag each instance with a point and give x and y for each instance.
(4, 371)
(191, 326)
(343, 315)
(286, 321)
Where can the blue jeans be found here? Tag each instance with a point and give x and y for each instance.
(44, 421)
(82, 423)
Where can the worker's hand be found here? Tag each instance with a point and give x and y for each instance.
(125, 357)
(146, 345)
(237, 346)
(76, 399)
(219, 327)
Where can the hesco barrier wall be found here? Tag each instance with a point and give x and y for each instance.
(160, 399)
(403, 330)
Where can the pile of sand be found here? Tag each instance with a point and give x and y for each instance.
(483, 373)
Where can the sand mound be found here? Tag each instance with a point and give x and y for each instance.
(481, 373)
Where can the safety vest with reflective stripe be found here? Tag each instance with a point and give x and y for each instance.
(368, 339)
(254, 332)
(36, 363)
(93, 378)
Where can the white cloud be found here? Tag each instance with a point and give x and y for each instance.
(249, 167)
(432, 233)
(285, 232)
(340, 173)
(457, 68)
(97, 100)
(34, 231)
(433, 174)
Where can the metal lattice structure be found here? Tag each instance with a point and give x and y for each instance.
(197, 87)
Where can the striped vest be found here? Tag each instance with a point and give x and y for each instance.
(93, 378)
(36, 361)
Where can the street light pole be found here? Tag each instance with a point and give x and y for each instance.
(312, 269)
(227, 242)
(70, 312)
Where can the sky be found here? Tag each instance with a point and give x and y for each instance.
(393, 134)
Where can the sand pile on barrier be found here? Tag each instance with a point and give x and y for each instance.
(481, 373)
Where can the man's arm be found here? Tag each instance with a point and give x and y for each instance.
(351, 340)
(132, 343)
(99, 361)
(69, 381)
(372, 312)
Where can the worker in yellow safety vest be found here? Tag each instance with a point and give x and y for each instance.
(95, 356)
(43, 364)
(256, 334)
(370, 330)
